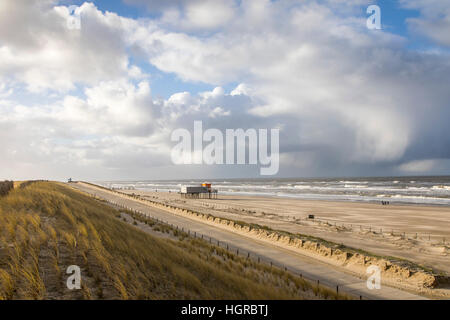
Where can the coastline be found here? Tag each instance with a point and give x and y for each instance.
(343, 267)
(332, 221)
(293, 197)
(434, 191)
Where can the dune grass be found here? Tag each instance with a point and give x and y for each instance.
(6, 187)
(46, 226)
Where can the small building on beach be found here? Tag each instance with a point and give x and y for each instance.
(204, 191)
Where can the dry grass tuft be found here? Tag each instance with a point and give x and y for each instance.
(46, 226)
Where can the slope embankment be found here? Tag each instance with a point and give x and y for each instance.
(45, 227)
(396, 273)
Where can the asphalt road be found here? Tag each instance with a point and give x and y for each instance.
(299, 264)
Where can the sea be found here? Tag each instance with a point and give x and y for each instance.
(417, 190)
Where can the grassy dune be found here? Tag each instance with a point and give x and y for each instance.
(6, 187)
(46, 226)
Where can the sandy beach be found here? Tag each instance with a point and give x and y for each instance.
(417, 233)
(336, 268)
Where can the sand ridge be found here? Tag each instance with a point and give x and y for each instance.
(402, 275)
(365, 226)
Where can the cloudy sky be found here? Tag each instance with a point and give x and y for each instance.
(101, 102)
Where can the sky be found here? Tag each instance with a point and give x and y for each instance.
(100, 102)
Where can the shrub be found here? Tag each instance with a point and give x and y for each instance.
(6, 187)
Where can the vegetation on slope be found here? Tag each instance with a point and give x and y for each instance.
(45, 227)
(6, 187)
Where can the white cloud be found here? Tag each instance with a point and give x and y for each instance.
(117, 127)
(41, 52)
(343, 96)
(325, 70)
(434, 20)
(219, 112)
(294, 76)
(201, 15)
(241, 89)
(425, 166)
(191, 15)
(5, 91)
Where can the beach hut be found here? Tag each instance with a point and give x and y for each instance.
(203, 191)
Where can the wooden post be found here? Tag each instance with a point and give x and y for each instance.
(317, 291)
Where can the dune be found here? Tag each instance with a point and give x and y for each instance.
(406, 231)
(45, 227)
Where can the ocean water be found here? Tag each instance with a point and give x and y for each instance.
(419, 190)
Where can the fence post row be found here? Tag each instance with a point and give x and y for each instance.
(237, 250)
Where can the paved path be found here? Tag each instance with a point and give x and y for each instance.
(293, 261)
